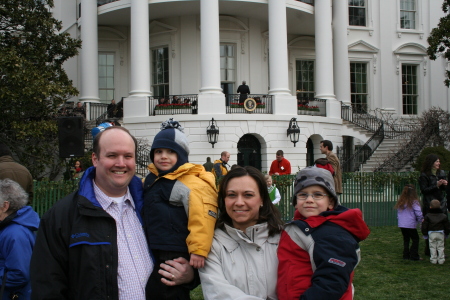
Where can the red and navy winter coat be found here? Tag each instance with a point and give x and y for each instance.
(317, 255)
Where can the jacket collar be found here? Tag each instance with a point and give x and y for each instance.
(257, 234)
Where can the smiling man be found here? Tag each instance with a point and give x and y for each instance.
(91, 244)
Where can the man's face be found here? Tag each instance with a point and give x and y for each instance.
(116, 164)
(323, 149)
(79, 104)
(279, 157)
(225, 158)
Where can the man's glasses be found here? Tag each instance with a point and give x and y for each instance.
(315, 196)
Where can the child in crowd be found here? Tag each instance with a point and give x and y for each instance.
(274, 194)
(409, 215)
(324, 164)
(319, 251)
(436, 227)
(180, 208)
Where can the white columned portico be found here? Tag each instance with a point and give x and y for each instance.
(324, 57)
(284, 102)
(89, 52)
(278, 56)
(140, 49)
(137, 104)
(340, 51)
(211, 99)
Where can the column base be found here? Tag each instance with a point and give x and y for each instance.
(284, 105)
(136, 107)
(211, 104)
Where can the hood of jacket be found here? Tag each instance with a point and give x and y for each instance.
(25, 216)
(350, 219)
(187, 169)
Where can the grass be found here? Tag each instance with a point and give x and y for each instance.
(383, 274)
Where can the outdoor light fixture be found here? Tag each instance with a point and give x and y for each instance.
(293, 131)
(213, 132)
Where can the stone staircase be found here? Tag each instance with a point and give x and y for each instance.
(386, 149)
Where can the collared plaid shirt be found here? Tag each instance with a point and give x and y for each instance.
(135, 264)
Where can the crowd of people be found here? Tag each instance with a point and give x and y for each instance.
(122, 237)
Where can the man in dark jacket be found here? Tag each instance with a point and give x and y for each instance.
(84, 236)
(244, 90)
(12, 170)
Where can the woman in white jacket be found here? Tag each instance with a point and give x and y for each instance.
(243, 260)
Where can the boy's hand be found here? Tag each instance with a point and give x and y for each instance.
(197, 261)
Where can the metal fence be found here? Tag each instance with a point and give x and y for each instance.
(374, 193)
(173, 105)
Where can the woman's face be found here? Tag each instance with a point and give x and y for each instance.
(436, 164)
(242, 202)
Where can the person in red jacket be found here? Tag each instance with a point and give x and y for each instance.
(280, 166)
(319, 250)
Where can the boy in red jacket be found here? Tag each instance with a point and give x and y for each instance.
(319, 250)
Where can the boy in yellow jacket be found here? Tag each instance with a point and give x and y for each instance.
(180, 208)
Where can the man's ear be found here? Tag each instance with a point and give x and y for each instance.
(94, 159)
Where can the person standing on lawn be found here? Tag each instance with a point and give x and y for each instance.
(436, 227)
(409, 215)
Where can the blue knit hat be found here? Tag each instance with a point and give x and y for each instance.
(172, 137)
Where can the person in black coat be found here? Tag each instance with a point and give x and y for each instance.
(244, 90)
(432, 183)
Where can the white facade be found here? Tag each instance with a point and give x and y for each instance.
(192, 32)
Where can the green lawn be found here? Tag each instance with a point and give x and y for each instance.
(383, 274)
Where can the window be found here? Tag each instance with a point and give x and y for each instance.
(227, 63)
(409, 89)
(160, 72)
(358, 86)
(408, 14)
(106, 77)
(305, 80)
(357, 12)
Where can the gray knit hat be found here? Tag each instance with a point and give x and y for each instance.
(314, 176)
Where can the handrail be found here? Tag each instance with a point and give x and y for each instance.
(351, 164)
(411, 149)
(360, 118)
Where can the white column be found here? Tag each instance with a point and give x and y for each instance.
(89, 51)
(324, 50)
(340, 48)
(278, 54)
(210, 47)
(140, 49)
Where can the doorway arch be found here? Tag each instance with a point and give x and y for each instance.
(249, 151)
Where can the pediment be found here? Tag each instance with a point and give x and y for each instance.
(411, 49)
(160, 28)
(110, 34)
(362, 46)
(228, 23)
(305, 42)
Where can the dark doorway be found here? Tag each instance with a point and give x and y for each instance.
(309, 153)
(249, 152)
(228, 90)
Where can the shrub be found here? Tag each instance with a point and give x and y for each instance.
(440, 151)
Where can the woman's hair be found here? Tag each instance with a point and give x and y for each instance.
(407, 198)
(267, 213)
(12, 192)
(430, 159)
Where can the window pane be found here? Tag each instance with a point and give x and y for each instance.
(305, 79)
(408, 14)
(227, 63)
(358, 86)
(160, 71)
(357, 12)
(409, 89)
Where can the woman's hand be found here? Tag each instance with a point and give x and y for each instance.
(176, 272)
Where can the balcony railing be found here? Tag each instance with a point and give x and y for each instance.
(311, 106)
(263, 104)
(173, 105)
